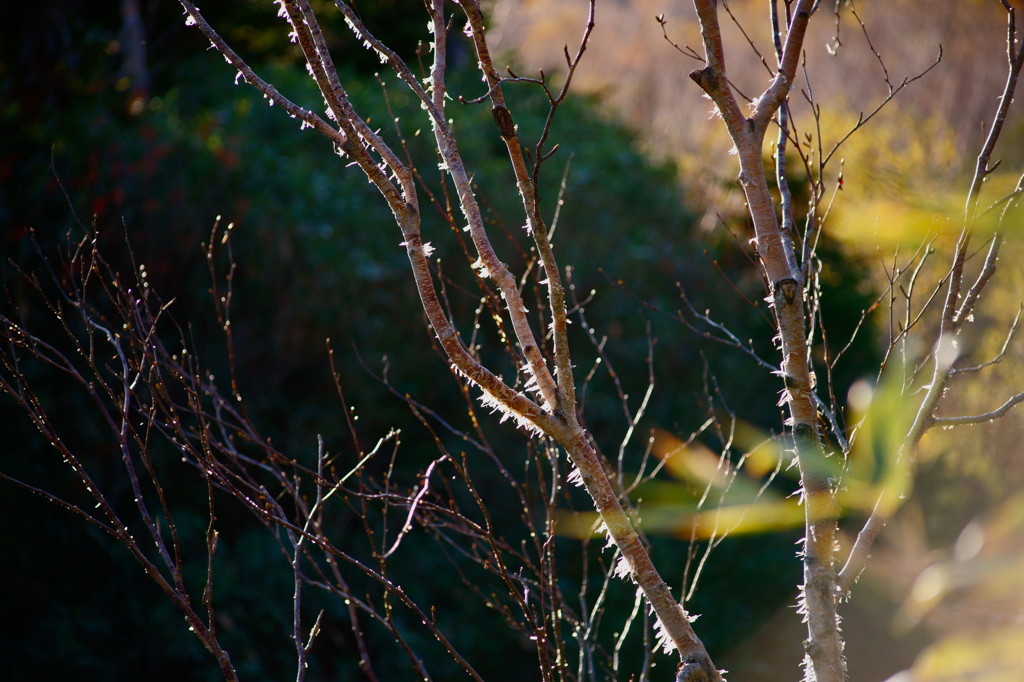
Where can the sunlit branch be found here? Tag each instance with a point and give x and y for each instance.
(979, 418)
(999, 356)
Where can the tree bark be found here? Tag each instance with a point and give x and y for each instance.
(824, 647)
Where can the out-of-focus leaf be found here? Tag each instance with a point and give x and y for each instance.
(696, 463)
(988, 562)
(991, 656)
(977, 597)
(761, 516)
(878, 468)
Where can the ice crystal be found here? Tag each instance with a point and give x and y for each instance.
(663, 638)
(495, 405)
(609, 540)
(479, 266)
(531, 383)
(622, 568)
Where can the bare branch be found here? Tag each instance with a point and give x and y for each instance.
(1002, 351)
(979, 418)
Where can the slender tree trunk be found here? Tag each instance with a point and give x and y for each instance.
(824, 647)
